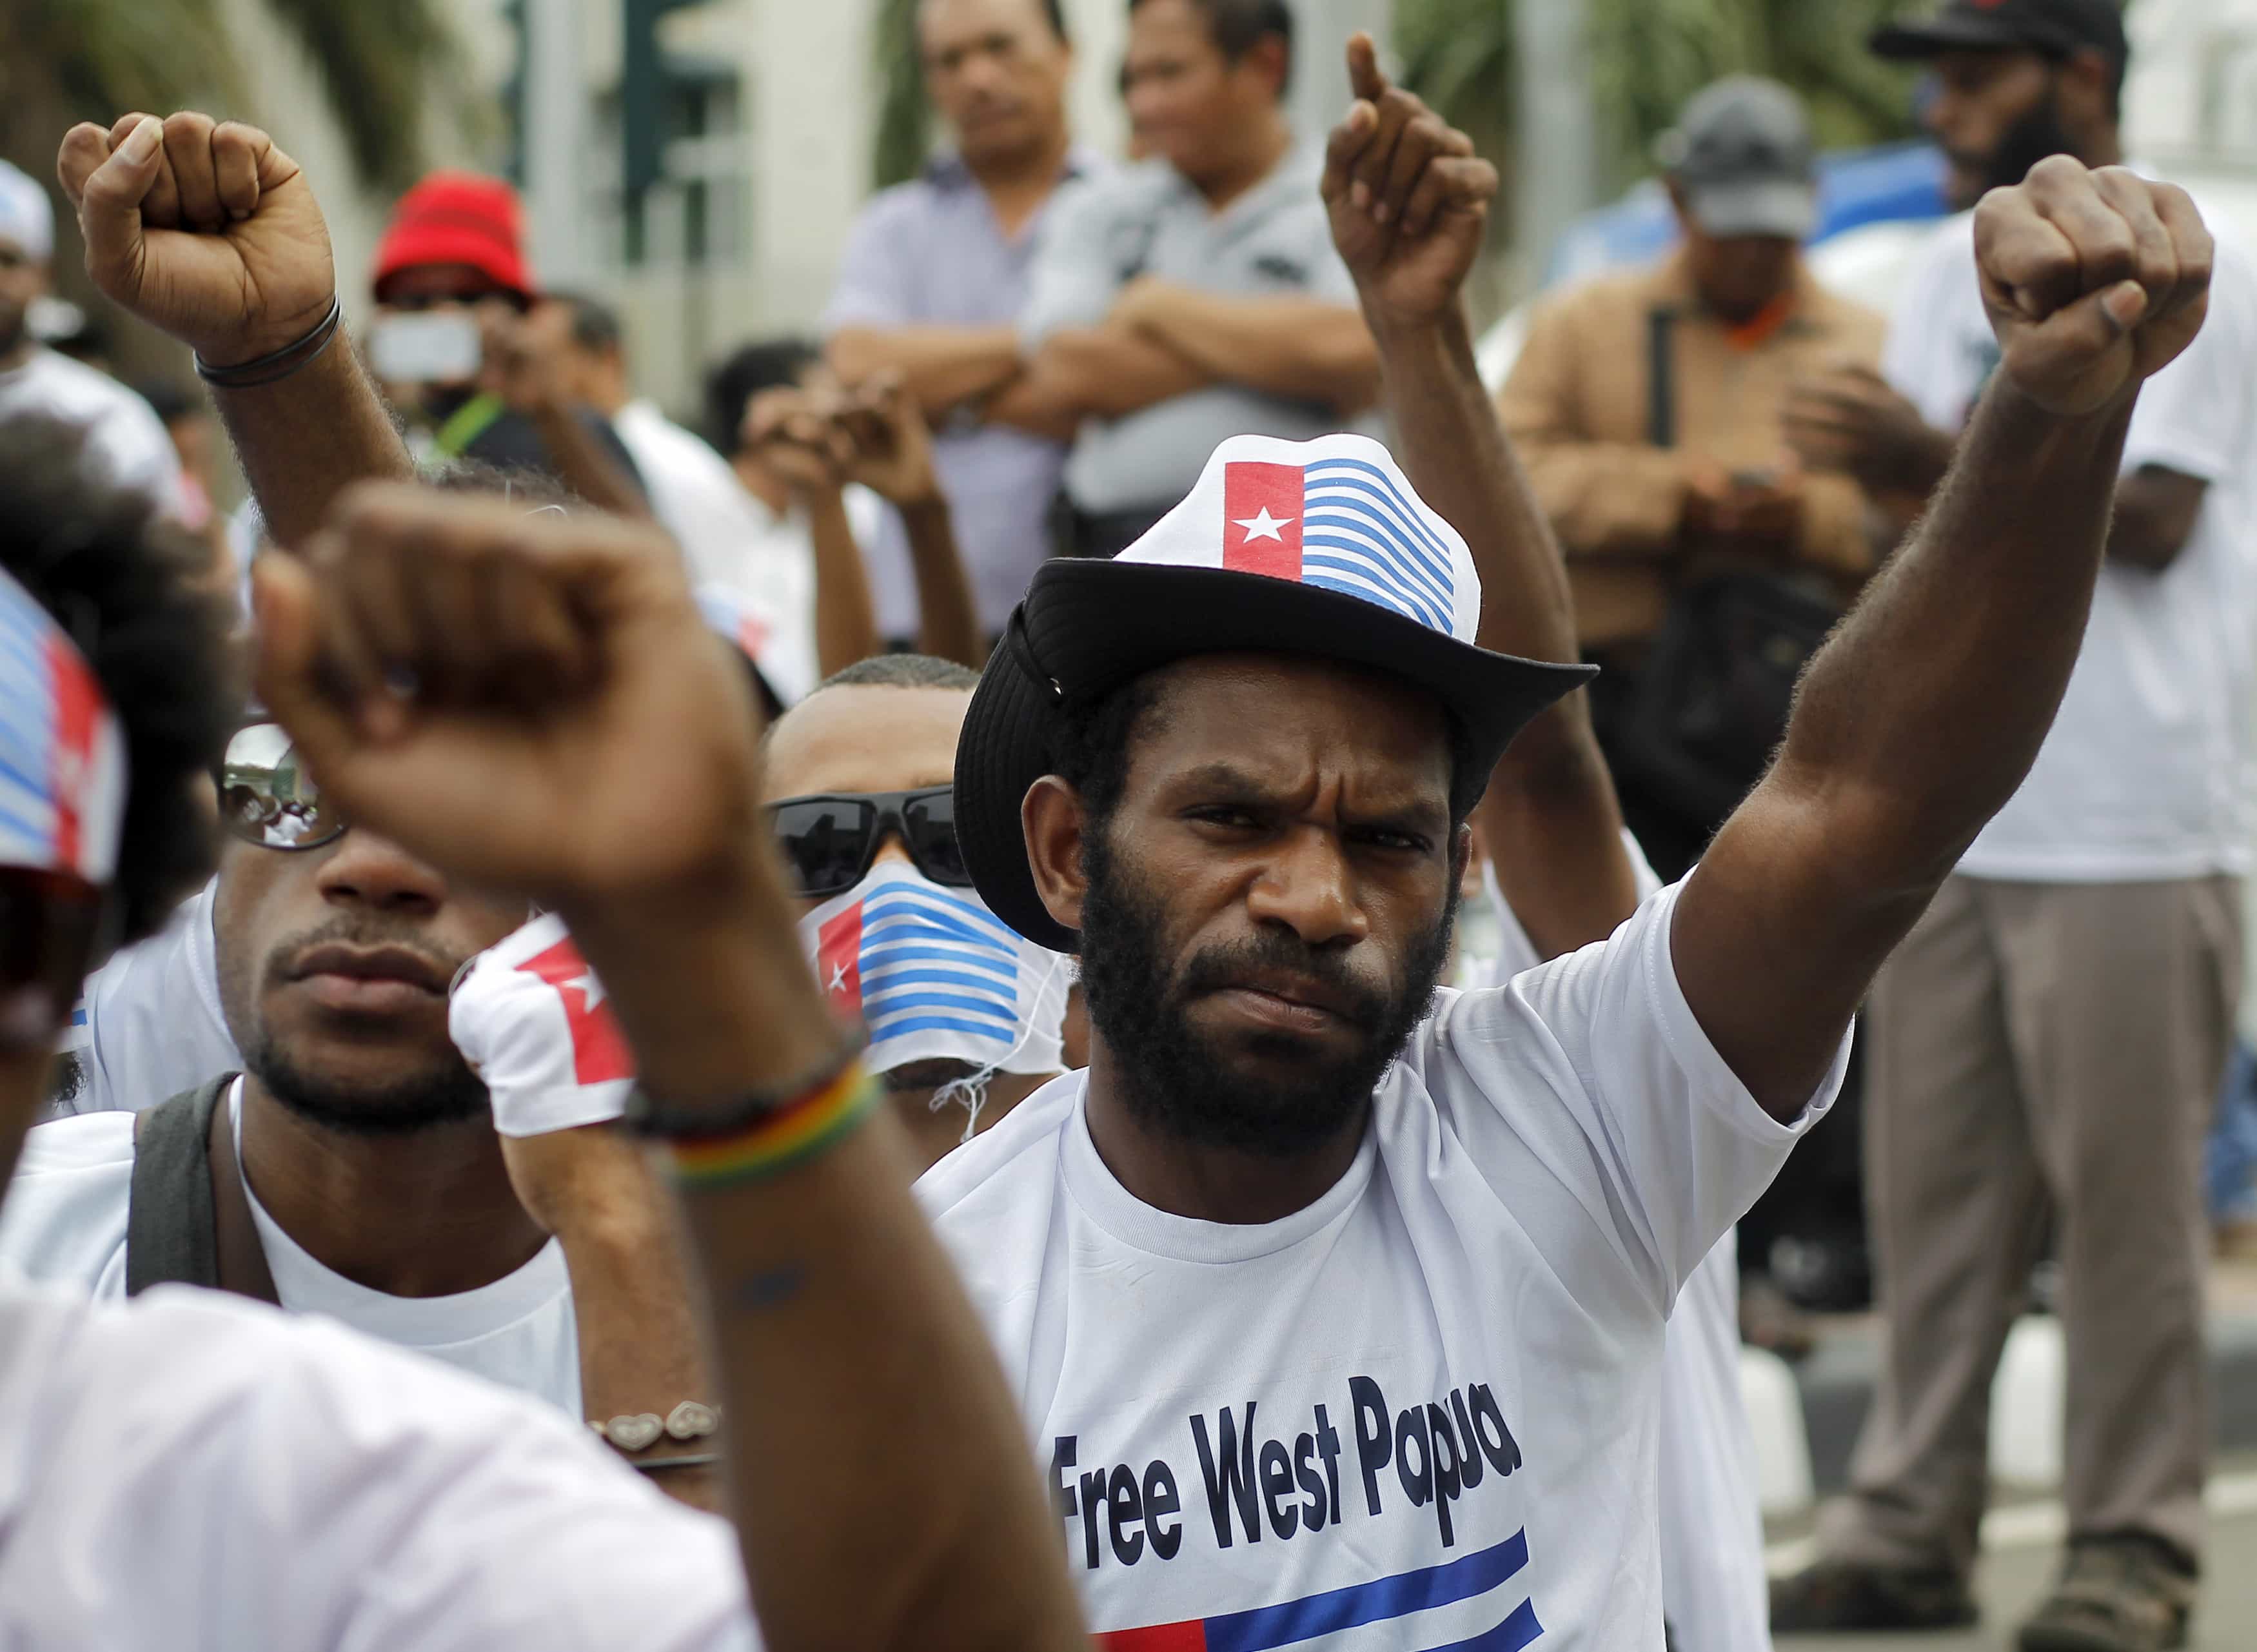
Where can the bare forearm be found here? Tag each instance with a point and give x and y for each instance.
(2156, 511)
(846, 617)
(1108, 372)
(948, 622)
(861, 1393)
(1914, 726)
(304, 441)
(642, 1344)
(943, 367)
(585, 466)
(837, 1309)
(1299, 349)
(1549, 818)
(1990, 596)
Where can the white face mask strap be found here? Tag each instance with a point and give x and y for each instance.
(972, 1089)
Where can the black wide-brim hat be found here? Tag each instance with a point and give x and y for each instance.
(1086, 628)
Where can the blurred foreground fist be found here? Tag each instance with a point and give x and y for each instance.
(2095, 282)
(203, 229)
(530, 702)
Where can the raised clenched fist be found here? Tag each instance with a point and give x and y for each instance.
(530, 702)
(2095, 282)
(203, 229)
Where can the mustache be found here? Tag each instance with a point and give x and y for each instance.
(1227, 964)
(347, 930)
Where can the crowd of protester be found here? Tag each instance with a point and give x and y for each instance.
(870, 975)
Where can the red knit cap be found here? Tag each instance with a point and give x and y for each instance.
(457, 217)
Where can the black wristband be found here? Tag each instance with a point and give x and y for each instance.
(669, 1121)
(280, 364)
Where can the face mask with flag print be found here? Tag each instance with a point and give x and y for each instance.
(935, 976)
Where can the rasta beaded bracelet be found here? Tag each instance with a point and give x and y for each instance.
(279, 365)
(788, 1136)
(647, 1115)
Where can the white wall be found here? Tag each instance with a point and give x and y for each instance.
(2193, 86)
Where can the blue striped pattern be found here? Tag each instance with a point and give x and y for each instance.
(27, 731)
(1386, 1599)
(932, 962)
(1361, 537)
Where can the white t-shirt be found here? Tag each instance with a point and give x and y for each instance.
(126, 443)
(2147, 773)
(1422, 1409)
(149, 1025)
(721, 528)
(63, 1223)
(200, 1473)
(1713, 1581)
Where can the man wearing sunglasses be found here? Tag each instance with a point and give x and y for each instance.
(193, 1473)
(965, 1016)
(375, 1182)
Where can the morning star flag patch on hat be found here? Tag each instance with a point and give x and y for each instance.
(1465, 1605)
(1334, 514)
(62, 759)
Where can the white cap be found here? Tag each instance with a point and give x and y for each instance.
(27, 215)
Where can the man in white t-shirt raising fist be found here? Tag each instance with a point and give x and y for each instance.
(2052, 1036)
(1335, 1302)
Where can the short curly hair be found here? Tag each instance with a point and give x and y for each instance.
(118, 581)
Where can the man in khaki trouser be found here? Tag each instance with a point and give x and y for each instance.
(2046, 1044)
(1646, 407)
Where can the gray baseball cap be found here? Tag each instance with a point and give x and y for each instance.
(1742, 155)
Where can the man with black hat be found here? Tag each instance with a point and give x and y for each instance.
(1646, 405)
(1335, 1303)
(2050, 1040)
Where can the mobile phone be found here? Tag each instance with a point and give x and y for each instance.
(435, 348)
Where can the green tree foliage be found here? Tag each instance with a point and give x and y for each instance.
(68, 59)
(1649, 56)
(904, 133)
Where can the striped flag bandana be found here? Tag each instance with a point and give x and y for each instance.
(934, 975)
(62, 758)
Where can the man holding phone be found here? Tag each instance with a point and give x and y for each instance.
(1646, 406)
(460, 344)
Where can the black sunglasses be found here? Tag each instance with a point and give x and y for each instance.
(266, 797)
(829, 841)
(51, 932)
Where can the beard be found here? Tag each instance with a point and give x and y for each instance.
(447, 1094)
(2036, 137)
(1177, 1081)
(440, 1090)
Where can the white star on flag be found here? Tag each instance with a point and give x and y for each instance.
(1263, 525)
(838, 977)
(592, 989)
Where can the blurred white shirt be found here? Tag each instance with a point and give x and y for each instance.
(286, 1483)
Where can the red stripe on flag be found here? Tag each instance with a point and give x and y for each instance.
(1160, 1637)
(599, 1049)
(78, 712)
(838, 954)
(1262, 519)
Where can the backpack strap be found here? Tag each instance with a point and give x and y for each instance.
(1661, 376)
(188, 1221)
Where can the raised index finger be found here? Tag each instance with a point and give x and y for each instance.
(1364, 78)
